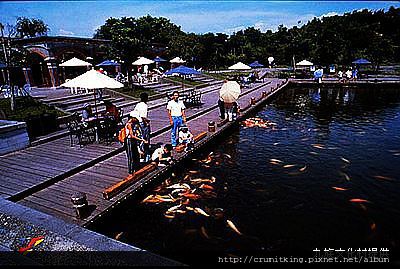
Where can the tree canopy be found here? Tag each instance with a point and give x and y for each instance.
(26, 27)
(336, 39)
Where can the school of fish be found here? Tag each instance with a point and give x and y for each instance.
(258, 122)
(184, 195)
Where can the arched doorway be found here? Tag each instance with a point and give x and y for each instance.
(40, 73)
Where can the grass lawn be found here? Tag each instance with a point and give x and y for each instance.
(226, 75)
(136, 92)
(185, 81)
(25, 107)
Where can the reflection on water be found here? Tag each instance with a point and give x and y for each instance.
(287, 189)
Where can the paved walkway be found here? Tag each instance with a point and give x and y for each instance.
(70, 244)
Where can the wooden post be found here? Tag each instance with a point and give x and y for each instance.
(211, 126)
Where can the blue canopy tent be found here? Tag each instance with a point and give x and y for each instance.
(108, 63)
(318, 73)
(183, 70)
(256, 64)
(361, 61)
(2, 65)
(159, 59)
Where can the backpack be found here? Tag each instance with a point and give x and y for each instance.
(122, 135)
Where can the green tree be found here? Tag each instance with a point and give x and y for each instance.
(26, 27)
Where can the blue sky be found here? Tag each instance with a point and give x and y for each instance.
(81, 18)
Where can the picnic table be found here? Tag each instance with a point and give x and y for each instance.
(192, 98)
(94, 129)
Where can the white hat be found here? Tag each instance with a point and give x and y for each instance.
(135, 114)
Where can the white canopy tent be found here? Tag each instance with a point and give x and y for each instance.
(239, 66)
(75, 62)
(177, 60)
(142, 61)
(304, 63)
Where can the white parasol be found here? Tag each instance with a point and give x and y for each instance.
(93, 79)
(230, 91)
(75, 62)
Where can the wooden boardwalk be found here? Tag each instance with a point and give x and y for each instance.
(55, 198)
(29, 168)
(26, 171)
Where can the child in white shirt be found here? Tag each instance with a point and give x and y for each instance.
(185, 136)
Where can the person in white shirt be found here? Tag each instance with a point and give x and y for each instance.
(348, 74)
(162, 155)
(141, 109)
(340, 75)
(177, 117)
(185, 136)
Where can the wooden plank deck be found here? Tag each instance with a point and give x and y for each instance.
(57, 158)
(55, 199)
(20, 171)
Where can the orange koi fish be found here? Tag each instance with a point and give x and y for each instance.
(383, 177)
(34, 242)
(339, 189)
(357, 200)
(191, 196)
(118, 236)
(206, 187)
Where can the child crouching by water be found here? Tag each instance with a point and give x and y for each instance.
(185, 137)
(162, 156)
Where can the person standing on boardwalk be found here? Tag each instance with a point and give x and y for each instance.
(132, 139)
(177, 117)
(221, 105)
(141, 109)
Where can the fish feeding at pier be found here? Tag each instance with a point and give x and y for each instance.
(258, 122)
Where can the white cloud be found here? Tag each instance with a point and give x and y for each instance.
(273, 22)
(329, 14)
(65, 32)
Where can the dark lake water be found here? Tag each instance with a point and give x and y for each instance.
(346, 138)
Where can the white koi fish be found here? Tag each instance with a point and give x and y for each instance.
(200, 211)
(233, 227)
